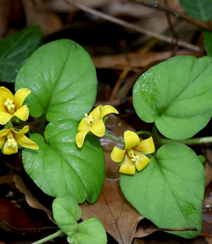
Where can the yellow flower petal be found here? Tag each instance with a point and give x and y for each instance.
(127, 167)
(146, 146)
(83, 125)
(24, 141)
(117, 154)
(9, 150)
(96, 113)
(142, 162)
(4, 132)
(98, 129)
(131, 139)
(5, 93)
(24, 130)
(107, 109)
(2, 106)
(80, 137)
(22, 113)
(5, 117)
(20, 96)
(2, 140)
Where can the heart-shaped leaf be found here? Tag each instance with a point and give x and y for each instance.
(198, 9)
(15, 50)
(62, 79)
(60, 168)
(177, 95)
(170, 190)
(89, 231)
(66, 213)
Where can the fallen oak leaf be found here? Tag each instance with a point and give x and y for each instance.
(145, 230)
(30, 198)
(115, 213)
(13, 219)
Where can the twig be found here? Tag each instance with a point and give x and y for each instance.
(170, 23)
(133, 27)
(175, 13)
(115, 103)
(118, 83)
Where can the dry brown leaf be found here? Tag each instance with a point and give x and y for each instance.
(30, 198)
(6, 179)
(47, 20)
(62, 6)
(11, 13)
(118, 217)
(149, 18)
(134, 60)
(145, 230)
(14, 219)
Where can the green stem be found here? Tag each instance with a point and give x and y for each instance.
(190, 142)
(50, 237)
(113, 137)
(144, 132)
(42, 124)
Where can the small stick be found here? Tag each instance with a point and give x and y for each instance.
(175, 13)
(134, 27)
(118, 83)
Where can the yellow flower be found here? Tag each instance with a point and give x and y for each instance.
(11, 106)
(9, 139)
(133, 158)
(93, 123)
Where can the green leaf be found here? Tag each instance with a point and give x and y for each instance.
(15, 50)
(177, 95)
(208, 42)
(89, 231)
(62, 78)
(198, 9)
(66, 213)
(170, 190)
(60, 168)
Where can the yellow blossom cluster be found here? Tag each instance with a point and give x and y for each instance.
(12, 107)
(132, 157)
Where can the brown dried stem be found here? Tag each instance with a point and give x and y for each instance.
(175, 13)
(134, 27)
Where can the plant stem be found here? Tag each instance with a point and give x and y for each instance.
(144, 132)
(192, 141)
(113, 137)
(189, 142)
(42, 124)
(133, 27)
(58, 233)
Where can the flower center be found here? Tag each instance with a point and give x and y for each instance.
(11, 142)
(134, 157)
(10, 106)
(89, 119)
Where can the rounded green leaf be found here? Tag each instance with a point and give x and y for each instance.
(177, 95)
(62, 79)
(66, 213)
(89, 231)
(60, 168)
(170, 190)
(15, 50)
